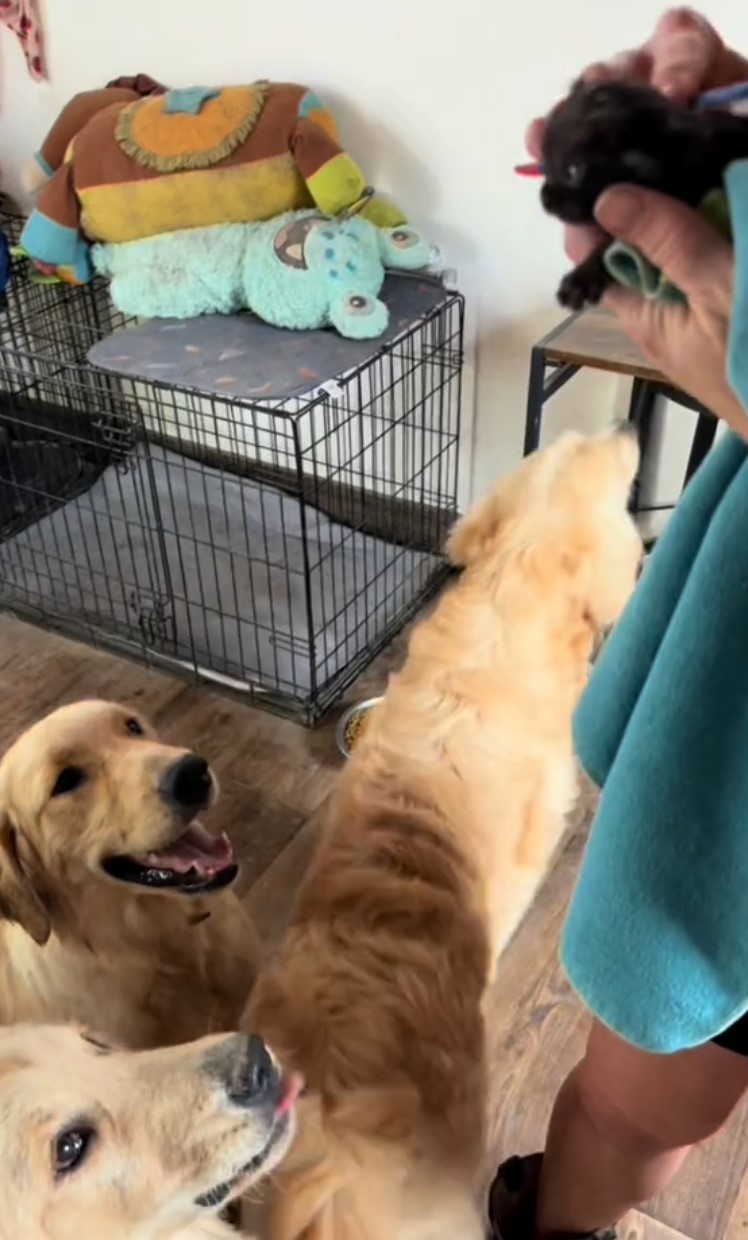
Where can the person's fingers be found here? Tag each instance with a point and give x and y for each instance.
(598, 72)
(580, 240)
(631, 309)
(683, 47)
(534, 138)
(688, 55)
(632, 66)
(729, 68)
(652, 325)
(684, 57)
(676, 239)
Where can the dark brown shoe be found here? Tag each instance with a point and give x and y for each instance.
(512, 1202)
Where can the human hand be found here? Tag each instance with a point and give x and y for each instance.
(684, 57)
(687, 342)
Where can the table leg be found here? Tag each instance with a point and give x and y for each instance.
(706, 430)
(641, 411)
(535, 400)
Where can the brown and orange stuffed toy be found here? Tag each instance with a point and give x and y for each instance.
(135, 160)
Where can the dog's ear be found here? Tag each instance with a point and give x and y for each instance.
(19, 901)
(474, 533)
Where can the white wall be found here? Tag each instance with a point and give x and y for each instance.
(432, 98)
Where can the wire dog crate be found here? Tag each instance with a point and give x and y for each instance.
(270, 550)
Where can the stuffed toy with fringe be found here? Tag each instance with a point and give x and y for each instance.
(119, 167)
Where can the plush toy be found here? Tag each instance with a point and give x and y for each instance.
(51, 154)
(302, 270)
(139, 167)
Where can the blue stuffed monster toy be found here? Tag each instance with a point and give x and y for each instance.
(300, 270)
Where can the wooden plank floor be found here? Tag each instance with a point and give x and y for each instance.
(275, 779)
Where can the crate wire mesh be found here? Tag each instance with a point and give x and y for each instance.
(269, 549)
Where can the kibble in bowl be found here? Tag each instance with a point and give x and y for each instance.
(352, 724)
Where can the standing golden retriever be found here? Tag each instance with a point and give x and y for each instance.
(114, 902)
(441, 829)
(99, 1144)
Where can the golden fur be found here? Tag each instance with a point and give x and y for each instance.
(441, 829)
(161, 1130)
(146, 967)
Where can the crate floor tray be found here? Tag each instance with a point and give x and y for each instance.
(215, 569)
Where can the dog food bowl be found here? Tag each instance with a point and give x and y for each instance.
(351, 724)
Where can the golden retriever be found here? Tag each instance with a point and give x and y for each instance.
(114, 903)
(100, 1144)
(440, 831)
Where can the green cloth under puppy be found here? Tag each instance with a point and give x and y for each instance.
(631, 269)
(656, 940)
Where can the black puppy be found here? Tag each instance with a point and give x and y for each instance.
(618, 132)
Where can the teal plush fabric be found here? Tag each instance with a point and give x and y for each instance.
(737, 190)
(656, 940)
(300, 270)
(631, 269)
(190, 100)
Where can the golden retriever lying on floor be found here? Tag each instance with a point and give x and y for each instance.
(106, 911)
(98, 1144)
(441, 829)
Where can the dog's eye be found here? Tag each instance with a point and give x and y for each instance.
(70, 1149)
(102, 1047)
(134, 727)
(70, 778)
(573, 174)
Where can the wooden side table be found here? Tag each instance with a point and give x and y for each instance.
(593, 338)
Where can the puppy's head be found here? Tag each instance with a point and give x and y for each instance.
(90, 794)
(100, 1142)
(610, 134)
(562, 518)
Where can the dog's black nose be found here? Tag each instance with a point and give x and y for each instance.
(187, 783)
(622, 426)
(254, 1077)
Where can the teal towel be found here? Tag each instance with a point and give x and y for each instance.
(631, 269)
(656, 940)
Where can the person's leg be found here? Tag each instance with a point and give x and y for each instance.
(623, 1123)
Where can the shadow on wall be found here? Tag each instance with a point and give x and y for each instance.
(396, 169)
(588, 403)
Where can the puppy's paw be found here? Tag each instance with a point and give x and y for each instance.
(585, 285)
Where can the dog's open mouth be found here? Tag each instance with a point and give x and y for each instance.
(293, 1085)
(195, 862)
(222, 1192)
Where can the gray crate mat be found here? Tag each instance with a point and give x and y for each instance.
(239, 357)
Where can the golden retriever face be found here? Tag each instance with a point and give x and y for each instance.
(90, 793)
(96, 1142)
(565, 511)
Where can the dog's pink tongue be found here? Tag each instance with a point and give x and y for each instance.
(197, 850)
(292, 1087)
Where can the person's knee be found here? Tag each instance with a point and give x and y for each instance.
(622, 1121)
(642, 1117)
